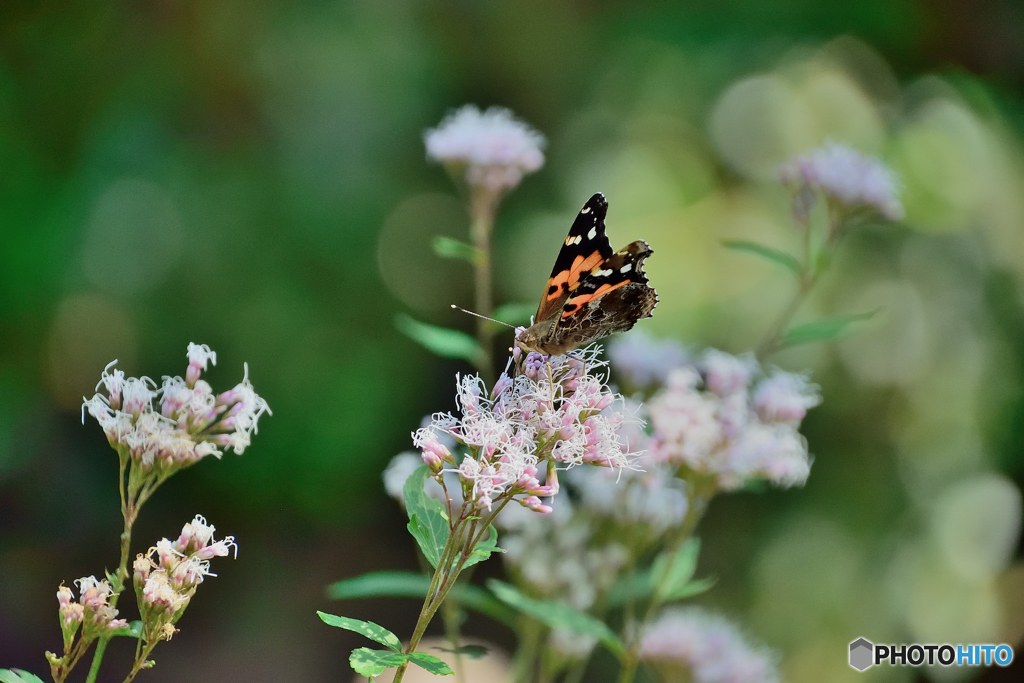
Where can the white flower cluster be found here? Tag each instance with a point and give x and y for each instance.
(92, 611)
(551, 413)
(179, 423)
(557, 555)
(166, 578)
(643, 361)
(710, 646)
(847, 177)
(653, 498)
(710, 419)
(492, 148)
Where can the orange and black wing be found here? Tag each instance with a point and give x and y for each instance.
(585, 247)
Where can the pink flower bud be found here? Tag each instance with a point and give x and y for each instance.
(534, 503)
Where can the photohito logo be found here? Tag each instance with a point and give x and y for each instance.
(865, 654)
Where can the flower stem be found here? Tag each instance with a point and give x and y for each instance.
(484, 206)
(699, 493)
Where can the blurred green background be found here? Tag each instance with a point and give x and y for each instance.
(251, 175)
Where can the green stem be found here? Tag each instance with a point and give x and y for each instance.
(445, 577)
(484, 206)
(700, 490)
(140, 661)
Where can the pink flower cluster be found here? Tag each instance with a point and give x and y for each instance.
(179, 423)
(166, 578)
(709, 646)
(92, 611)
(492, 148)
(712, 418)
(549, 413)
(845, 176)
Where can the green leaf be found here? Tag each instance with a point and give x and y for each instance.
(132, 630)
(18, 676)
(484, 548)
(630, 588)
(671, 571)
(370, 663)
(380, 585)
(691, 589)
(780, 258)
(446, 247)
(442, 341)
(471, 651)
(412, 585)
(515, 314)
(428, 521)
(374, 632)
(825, 329)
(557, 615)
(430, 663)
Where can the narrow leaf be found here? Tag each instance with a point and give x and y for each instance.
(411, 585)
(18, 676)
(428, 521)
(443, 341)
(825, 329)
(515, 314)
(380, 585)
(671, 571)
(484, 548)
(774, 255)
(471, 651)
(691, 589)
(132, 630)
(374, 632)
(430, 663)
(446, 247)
(557, 615)
(370, 663)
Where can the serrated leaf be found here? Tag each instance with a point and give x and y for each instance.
(557, 615)
(484, 548)
(671, 571)
(691, 589)
(18, 676)
(443, 341)
(471, 651)
(370, 663)
(777, 257)
(411, 585)
(430, 663)
(515, 314)
(825, 329)
(446, 247)
(428, 521)
(132, 630)
(374, 632)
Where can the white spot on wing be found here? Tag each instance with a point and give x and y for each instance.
(586, 209)
(602, 273)
(626, 268)
(593, 233)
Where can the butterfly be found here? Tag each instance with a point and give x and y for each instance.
(592, 291)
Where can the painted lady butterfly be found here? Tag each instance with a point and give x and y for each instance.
(592, 291)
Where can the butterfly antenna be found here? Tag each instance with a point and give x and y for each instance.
(459, 308)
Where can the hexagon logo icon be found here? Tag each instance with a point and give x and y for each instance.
(861, 654)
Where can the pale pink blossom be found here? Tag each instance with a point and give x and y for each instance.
(711, 647)
(846, 177)
(491, 149)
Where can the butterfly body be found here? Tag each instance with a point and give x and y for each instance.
(592, 291)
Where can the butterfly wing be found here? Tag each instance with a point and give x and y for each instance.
(585, 247)
(609, 298)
